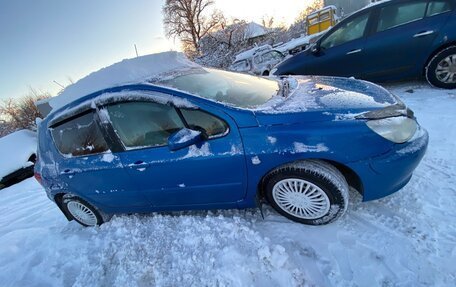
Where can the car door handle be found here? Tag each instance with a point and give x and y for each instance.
(139, 164)
(422, 34)
(354, 51)
(70, 171)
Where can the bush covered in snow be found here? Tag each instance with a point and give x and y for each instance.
(219, 48)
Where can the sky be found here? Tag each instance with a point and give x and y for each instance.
(43, 41)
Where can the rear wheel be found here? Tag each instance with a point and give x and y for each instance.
(81, 211)
(441, 69)
(310, 192)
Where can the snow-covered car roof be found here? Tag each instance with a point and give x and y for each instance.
(129, 71)
(15, 150)
(251, 52)
(296, 42)
(253, 30)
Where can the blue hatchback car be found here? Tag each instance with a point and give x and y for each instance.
(198, 138)
(393, 40)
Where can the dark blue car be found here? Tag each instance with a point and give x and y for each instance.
(393, 40)
(201, 138)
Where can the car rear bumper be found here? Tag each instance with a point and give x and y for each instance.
(388, 173)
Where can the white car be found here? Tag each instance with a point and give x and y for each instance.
(17, 156)
(257, 61)
(299, 44)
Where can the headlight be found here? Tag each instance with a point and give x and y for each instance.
(397, 129)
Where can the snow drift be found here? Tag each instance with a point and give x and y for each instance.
(15, 151)
(128, 71)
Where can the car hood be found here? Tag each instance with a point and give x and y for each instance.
(311, 95)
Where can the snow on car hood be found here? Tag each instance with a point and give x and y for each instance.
(129, 71)
(313, 93)
(15, 150)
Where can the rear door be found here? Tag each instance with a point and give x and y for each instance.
(402, 37)
(88, 167)
(211, 172)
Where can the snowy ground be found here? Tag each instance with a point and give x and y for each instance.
(407, 239)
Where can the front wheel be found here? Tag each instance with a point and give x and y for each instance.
(81, 211)
(441, 69)
(310, 192)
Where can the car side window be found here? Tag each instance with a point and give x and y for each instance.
(144, 124)
(436, 7)
(267, 56)
(276, 55)
(79, 136)
(241, 66)
(257, 59)
(349, 31)
(401, 13)
(198, 119)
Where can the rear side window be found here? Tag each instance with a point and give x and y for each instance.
(79, 136)
(144, 124)
(197, 119)
(399, 14)
(438, 7)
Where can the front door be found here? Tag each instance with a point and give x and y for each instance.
(342, 50)
(210, 172)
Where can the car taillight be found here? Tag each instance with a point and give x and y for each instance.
(38, 177)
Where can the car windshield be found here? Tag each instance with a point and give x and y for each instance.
(240, 90)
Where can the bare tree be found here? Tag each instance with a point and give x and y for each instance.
(217, 49)
(314, 6)
(189, 21)
(267, 21)
(20, 113)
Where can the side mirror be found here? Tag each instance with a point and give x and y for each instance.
(184, 138)
(315, 49)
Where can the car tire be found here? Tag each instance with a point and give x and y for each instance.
(265, 73)
(82, 211)
(441, 70)
(311, 192)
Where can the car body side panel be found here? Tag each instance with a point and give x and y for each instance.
(101, 178)
(341, 60)
(269, 147)
(385, 174)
